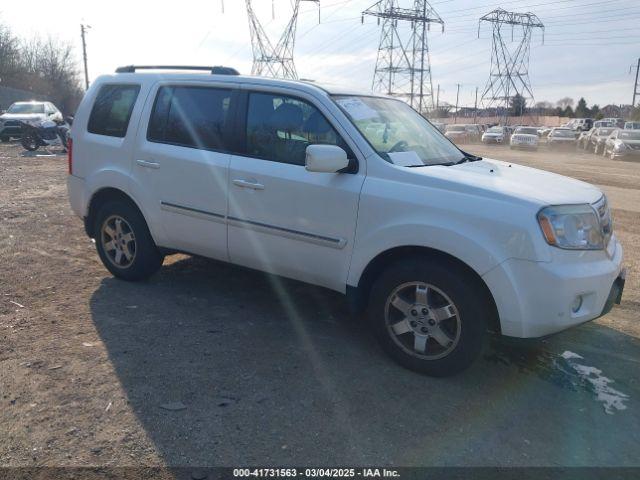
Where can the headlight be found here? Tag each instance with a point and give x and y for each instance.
(619, 146)
(572, 227)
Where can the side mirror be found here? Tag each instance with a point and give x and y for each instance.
(326, 159)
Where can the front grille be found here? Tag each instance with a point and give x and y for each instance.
(604, 216)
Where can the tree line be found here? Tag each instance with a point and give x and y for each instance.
(44, 66)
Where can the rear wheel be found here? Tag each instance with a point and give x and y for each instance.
(124, 243)
(429, 315)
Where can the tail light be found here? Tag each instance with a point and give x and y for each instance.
(70, 155)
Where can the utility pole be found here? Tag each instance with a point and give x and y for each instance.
(438, 98)
(475, 108)
(455, 118)
(636, 87)
(83, 29)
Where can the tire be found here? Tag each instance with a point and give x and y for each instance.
(29, 142)
(5, 139)
(435, 296)
(120, 227)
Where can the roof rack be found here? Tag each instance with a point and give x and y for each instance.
(217, 70)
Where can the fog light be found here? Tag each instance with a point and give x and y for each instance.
(577, 303)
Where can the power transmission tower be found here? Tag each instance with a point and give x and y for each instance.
(509, 75)
(273, 61)
(403, 66)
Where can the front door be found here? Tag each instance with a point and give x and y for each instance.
(282, 218)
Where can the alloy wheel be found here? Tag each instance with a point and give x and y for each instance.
(118, 241)
(422, 320)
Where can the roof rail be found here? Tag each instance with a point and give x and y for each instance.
(217, 70)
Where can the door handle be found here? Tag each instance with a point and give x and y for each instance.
(247, 184)
(145, 163)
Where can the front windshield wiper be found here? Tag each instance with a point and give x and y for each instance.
(467, 158)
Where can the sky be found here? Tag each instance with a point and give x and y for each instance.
(588, 50)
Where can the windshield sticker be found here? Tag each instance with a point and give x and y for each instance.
(405, 159)
(357, 109)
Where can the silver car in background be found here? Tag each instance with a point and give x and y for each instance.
(622, 143)
(495, 135)
(561, 138)
(525, 138)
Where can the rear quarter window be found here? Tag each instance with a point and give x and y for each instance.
(112, 109)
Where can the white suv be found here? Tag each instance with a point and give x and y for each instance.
(353, 192)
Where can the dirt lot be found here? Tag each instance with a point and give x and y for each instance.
(208, 364)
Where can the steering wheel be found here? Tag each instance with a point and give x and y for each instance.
(401, 144)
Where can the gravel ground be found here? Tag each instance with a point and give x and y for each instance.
(210, 364)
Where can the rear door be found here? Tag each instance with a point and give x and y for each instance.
(284, 219)
(181, 165)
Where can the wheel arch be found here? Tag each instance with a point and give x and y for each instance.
(99, 198)
(358, 295)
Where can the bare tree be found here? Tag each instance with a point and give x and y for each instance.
(565, 102)
(46, 67)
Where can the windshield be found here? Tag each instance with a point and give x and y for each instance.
(26, 108)
(398, 133)
(527, 131)
(495, 130)
(629, 135)
(563, 133)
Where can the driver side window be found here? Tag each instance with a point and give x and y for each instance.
(280, 128)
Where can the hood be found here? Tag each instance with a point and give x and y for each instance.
(524, 135)
(493, 134)
(22, 116)
(497, 179)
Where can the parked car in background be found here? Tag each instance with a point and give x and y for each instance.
(543, 132)
(33, 111)
(615, 122)
(525, 138)
(561, 137)
(321, 185)
(598, 137)
(632, 125)
(622, 143)
(603, 123)
(495, 135)
(582, 124)
(463, 133)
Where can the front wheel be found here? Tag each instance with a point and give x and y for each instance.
(29, 142)
(429, 315)
(124, 242)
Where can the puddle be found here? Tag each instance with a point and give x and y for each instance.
(566, 370)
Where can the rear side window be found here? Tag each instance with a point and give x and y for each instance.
(193, 117)
(112, 110)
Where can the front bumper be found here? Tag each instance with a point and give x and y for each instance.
(524, 146)
(535, 299)
(489, 140)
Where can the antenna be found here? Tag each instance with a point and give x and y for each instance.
(403, 66)
(509, 74)
(273, 61)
